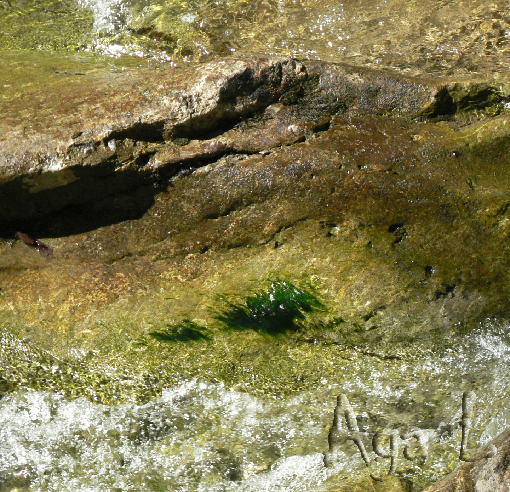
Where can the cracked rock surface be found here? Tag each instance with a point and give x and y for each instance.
(165, 193)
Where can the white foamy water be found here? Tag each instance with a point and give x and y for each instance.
(202, 437)
(195, 437)
(109, 15)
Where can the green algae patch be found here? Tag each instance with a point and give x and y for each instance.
(489, 98)
(287, 344)
(181, 141)
(276, 310)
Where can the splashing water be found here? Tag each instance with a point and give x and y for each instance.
(109, 15)
(195, 437)
(202, 437)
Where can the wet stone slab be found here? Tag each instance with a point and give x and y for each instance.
(170, 195)
(266, 223)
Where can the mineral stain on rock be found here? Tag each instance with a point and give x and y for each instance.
(44, 249)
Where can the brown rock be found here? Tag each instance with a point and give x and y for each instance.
(101, 135)
(308, 173)
(93, 138)
(488, 472)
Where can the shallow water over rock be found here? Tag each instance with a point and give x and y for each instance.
(201, 436)
(427, 37)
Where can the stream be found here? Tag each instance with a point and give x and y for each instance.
(202, 436)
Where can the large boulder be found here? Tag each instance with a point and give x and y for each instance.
(174, 194)
(265, 223)
(273, 225)
(82, 140)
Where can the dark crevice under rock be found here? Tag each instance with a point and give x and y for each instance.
(93, 200)
(98, 172)
(102, 172)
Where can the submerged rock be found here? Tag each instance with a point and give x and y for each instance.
(387, 193)
(367, 484)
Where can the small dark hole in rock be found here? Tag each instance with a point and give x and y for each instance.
(212, 216)
(447, 292)
(323, 127)
(395, 227)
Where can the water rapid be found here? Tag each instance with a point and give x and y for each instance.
(200, 436)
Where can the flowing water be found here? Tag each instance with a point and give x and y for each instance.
(425, 37)
(201, 436)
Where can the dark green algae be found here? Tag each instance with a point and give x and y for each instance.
(169, 353)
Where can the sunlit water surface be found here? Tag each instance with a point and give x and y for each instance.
(426, 37)
(201, 437)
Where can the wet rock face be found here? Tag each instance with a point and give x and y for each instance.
(390, 193)
(247, 152)
(489, 470)
(97, 137)
(109, 135)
